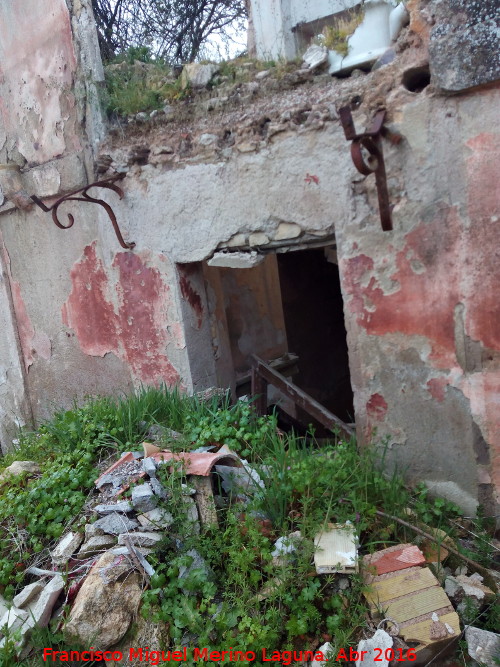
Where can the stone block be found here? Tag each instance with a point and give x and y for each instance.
(123, 506)
(96, 545)
(27, 594)
(66, 548)
(40, 610)
(143, 498)
(236, 260)
(287, 230)
(18, 467)
(140, 539)
(115, 524)
(156, 519)
(149, 466)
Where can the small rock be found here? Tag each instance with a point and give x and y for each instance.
(158, 489)
(325, 649)
(66, 548)
(381, 641)
(263, 75)
(115, 524)
(483, 646)
(286, 545)
(460, 587)
(315, 57)
(96, 545)
(207, 139)
(197, 75)
(156, 112)
(343, 583)
(140, 539)
(123, 506)
(19, 467)
(27, 594)
(91, 530)
(142, 117)
(155, 519)
(143, 498)
(149, 466)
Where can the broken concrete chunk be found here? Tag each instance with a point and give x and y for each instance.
(316, 56)
(143, 498)
(336, 550)
(115, 524)
(458, 588)
(40, 610)
(158, 488)
(326, 649)
(286, 546)
(27, 594)
(156, 519)
(149, 466)
(96, 545)
(483, 646)
(123, 506)
(18, 467)
(66, 548)
(237, 481)
(368, 655)
(91, 530)
(139, 539)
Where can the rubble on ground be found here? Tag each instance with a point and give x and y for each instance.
(107, 567)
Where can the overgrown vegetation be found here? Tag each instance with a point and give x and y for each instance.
(232, 591)
(335, 37)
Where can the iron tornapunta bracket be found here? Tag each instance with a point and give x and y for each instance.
(370, 141)
(83, 196)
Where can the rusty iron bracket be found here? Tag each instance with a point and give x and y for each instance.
(109, 184)
(371, 141)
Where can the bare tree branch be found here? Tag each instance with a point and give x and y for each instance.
(174, 30)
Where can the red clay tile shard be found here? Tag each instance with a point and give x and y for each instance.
(198, 463)
(395, 558)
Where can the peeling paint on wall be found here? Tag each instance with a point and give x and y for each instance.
(123, 311)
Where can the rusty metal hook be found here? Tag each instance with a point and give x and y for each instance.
(371, 142)
(109, 184)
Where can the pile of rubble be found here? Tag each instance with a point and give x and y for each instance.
(101, 572)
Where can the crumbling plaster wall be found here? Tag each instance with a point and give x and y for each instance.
(269, 168)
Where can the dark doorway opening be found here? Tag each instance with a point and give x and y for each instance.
(314, 321)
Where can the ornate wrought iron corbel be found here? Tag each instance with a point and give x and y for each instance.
(83, 196)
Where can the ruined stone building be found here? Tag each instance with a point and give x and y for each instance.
(255, 234)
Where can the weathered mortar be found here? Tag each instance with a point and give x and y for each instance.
(270, 168)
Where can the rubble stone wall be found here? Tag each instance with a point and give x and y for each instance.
(264, 166)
